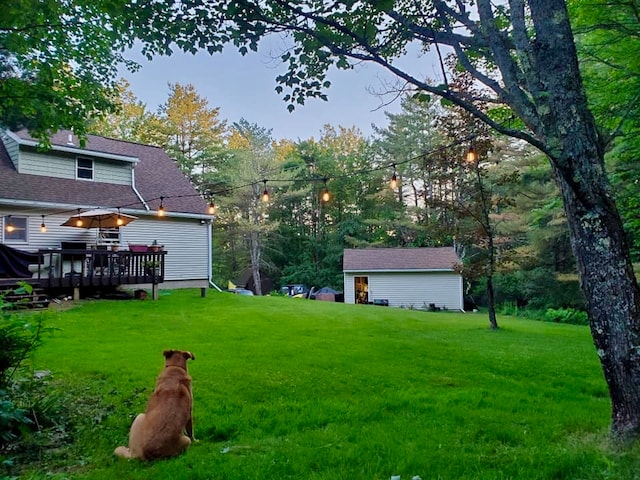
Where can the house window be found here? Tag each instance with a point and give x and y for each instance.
(108, 236)
(84, 168)
(14, 229)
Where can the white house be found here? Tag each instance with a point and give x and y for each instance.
(403, 277)
(48, 186)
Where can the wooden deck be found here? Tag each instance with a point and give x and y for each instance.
(77, 269)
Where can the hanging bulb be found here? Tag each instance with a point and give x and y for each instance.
(119, 220)
(265, 193)
(471, 156)
(10, 227)
(326, 196)
(43, 227)
(79, 221)
(212, 208)
(161, 212)
(394, 181)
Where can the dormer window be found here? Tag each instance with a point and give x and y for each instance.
(84, 168)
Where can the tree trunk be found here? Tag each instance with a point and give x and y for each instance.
(485, 205)
(255, 248)
(597, 237)
(491, 300)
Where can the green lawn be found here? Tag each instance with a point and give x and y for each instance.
(296, 389)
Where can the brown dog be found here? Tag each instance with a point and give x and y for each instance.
(160, 431)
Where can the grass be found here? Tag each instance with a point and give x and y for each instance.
(294, 389)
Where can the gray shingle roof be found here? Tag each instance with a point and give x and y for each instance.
(156, 175)
(395, 259)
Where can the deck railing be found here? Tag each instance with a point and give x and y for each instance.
(63, 268)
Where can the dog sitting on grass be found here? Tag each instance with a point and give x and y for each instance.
(160, 431)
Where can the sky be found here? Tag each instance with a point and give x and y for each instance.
(244, 87)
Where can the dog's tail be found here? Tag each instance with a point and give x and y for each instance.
(123, 452)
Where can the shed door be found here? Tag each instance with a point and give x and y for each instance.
(361, 288)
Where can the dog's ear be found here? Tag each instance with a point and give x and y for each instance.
(168, 353)
(188, 355)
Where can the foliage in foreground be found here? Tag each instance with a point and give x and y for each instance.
(25, 403)
(291, 388)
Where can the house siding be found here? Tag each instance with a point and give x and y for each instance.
(410, 289)
(55, 164)
(13, 149)
(185, 240)
(34, 163)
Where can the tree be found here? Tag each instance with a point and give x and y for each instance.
(130, 121)
(314, 231)
(608, 37)
(524, 55)
(193, 132)
(406, 142)
(243, 212)
(59, 60)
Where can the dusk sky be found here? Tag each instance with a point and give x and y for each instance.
(243, 87)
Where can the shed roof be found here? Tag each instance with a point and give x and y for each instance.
(156, 174)
(399, 259)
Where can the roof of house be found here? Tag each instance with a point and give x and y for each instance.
(398, 259)
(156, 175)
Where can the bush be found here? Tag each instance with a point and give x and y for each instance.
(568, 315)
(20, 335)
(536, 289)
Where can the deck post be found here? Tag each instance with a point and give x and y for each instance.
(154, 291)
(203, 292)
(76, 293)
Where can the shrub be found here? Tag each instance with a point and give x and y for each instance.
(20, 335)
(537, 289)
(566, 315)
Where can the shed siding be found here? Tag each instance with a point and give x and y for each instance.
(410, 290)
(64, 166)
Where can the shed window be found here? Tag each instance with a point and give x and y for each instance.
(14, 229)
(84, 168)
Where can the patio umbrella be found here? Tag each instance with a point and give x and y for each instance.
(99, 218)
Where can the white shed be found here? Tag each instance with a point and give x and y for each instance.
(403, 277)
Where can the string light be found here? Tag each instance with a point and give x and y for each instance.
(326, 196)
(471, 156)
(79, 221)
(43, 227)
(161, 212)
(265, 193)
(394, 179)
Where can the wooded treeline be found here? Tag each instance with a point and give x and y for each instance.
(503, 213)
